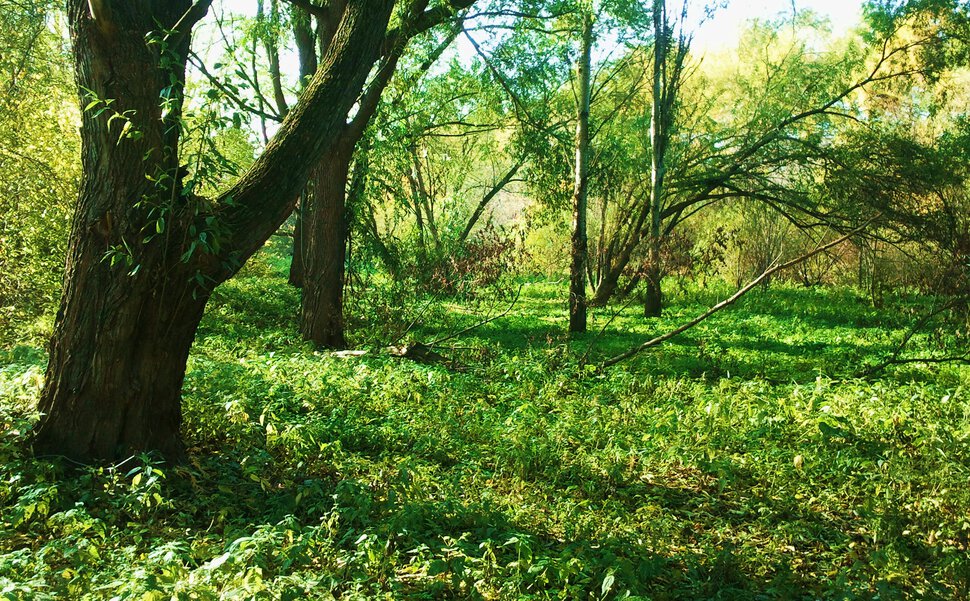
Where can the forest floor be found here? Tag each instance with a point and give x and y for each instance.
(741, 460)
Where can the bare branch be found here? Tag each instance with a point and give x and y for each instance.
(731, 300)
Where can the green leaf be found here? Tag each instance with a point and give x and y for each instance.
(437, 567)
(607, 583)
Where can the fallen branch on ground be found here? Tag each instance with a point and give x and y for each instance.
(731, 300)
(424, 352)
(894, 359)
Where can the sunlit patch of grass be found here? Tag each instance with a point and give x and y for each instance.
(740, 461)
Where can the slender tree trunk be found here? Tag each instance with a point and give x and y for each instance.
(653, 296)
(307, 51)
(610, 279)
(321, 318)
(487, 198)
(579, 249)
(369, 222)
(297, 267)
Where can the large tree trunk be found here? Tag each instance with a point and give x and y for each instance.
(579, 250)
(129, 307)
(125, 325)
(326, 230)
(117, 362)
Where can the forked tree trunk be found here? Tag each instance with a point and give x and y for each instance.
(125, 326)
(321, 252)
(126, 323)
(325, 238)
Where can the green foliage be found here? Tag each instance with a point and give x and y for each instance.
(738, 462)
(39, 175)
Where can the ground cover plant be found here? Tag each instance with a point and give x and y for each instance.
(300, 346)
(742, 460)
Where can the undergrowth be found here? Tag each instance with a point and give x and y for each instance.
(740, 461)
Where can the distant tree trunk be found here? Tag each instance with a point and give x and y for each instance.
(124, 328)
(326, 228)
(653, 296)
(388, 258)
(299, 250)
(579, 250)
(307, 51)
(648, 223)
(487, 198)
(321, 319)
(653, 302)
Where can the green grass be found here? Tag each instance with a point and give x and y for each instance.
(739, 461)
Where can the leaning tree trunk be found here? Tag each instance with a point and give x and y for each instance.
(579, 250)
(321, 317)
(137, 276)
(129, 308)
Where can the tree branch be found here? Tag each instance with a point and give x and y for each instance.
(731, 300)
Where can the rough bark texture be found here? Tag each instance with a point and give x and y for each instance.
(325, 236)
(118, 354)
(123, 331)
(579, 251)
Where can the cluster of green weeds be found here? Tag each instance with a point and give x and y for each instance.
(740, 461)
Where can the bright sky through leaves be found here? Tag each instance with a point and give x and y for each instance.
(724, 28)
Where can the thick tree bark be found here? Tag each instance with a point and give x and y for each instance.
(326, 242)
(125, 326)
(307, 50)
(579, 251)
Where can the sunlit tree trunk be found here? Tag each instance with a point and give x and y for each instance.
(659, 137)
(124, 328)
(579, 251)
